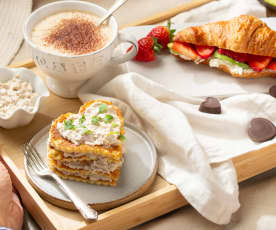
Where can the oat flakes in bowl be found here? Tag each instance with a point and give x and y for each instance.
(20, 94)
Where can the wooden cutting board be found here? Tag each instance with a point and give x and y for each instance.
(161, 198)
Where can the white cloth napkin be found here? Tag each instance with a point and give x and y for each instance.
(178, 130)
(212, 190)
(195, 149)
(188, 141)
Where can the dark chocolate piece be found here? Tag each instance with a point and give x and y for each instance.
(261, 130)
(210, 105)
(272, 91)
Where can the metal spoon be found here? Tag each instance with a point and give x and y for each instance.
(113, 8)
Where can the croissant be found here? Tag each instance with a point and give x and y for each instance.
(243, 46)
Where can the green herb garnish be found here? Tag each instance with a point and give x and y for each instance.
(82, 119)
(108, 118)
(113, 133)
(69, 124)
(87, 132)
(102, 108)
(95, 120)
(122, 137)
(114, 125)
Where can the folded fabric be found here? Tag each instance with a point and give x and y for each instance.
(195, 149)
(225, 136)
(11, 211)
(211, 189)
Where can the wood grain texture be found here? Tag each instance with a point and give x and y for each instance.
(162, 16)
(29, 63)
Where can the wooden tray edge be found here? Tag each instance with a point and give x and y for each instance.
(32, 200)
(153, 205)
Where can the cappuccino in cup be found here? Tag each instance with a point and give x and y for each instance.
(71, 33)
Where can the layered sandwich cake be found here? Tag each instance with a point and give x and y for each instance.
(87, 146)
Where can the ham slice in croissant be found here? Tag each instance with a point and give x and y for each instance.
(243, 46)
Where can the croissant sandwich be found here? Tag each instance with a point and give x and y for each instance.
(243, 46)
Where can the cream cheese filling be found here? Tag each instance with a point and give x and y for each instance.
(215, 62)
(90, 176)
(101, 165)
(99, 125)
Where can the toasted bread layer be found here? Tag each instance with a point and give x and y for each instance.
(58, 155)
(243, 34)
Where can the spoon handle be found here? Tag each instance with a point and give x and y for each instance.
(113, 8)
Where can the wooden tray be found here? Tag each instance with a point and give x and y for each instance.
(161, 198)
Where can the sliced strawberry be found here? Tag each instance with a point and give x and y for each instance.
(205, 51)
(240, 57)
(185, 49)
(146, 48)
(272, 65)
(258, 63)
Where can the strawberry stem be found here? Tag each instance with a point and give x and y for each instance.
(156, 46)
(171, 31)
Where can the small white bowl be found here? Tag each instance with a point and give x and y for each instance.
(21, 117)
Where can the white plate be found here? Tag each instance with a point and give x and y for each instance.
(187, 78)
(139, 166)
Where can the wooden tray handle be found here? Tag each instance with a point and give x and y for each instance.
(162, 16)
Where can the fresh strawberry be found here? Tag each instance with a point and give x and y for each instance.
(240, 57)
(146, 49)
(258, 63)
(205, 51)
(163, 34)
(272, 65)
(185, 49)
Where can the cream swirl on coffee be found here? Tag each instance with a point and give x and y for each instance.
(71, 33)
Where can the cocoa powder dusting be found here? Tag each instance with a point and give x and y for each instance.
(75, 35)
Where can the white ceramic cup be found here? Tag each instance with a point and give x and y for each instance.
(65, 74)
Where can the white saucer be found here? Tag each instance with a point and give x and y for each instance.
(137, 174)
